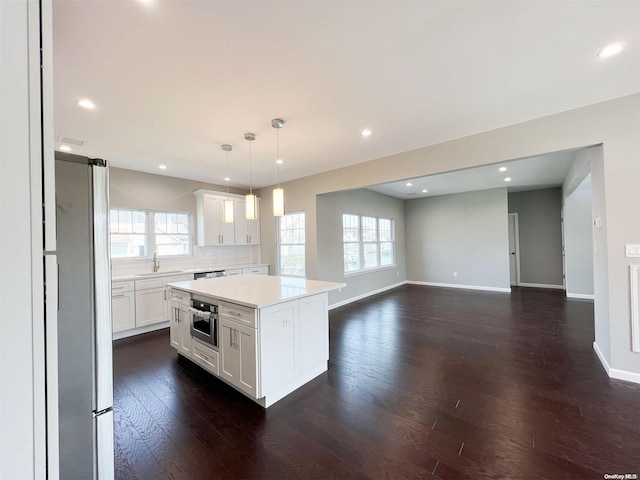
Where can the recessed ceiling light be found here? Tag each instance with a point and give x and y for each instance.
(227, 179)
(64, 148)
(507, 179)
(86, 103)
(366, 132)
(279, 161)
(610, 50)
(424, 190)
(162, 167)
(409, 184)
(502, 169)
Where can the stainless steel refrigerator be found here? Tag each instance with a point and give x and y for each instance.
(85, 367)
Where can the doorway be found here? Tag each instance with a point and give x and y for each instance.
(514, 250)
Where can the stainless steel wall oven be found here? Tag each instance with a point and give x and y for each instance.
(204, 321)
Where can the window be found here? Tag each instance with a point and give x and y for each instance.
(368, 242)
(129, 233)
(172, 233)
(130, 237)
(291, 256)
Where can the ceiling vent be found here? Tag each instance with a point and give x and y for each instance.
(72, 141)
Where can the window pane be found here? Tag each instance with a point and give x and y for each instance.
(351, 257)
(124, 221)
(291, 244)
(386, 230)
(369, 230)
(183, 223)
(160, 222)
(370, 254)
(123, 245)
(173, 244)
(292, 260)
(386, 253)
(139, 222)
(350, 228)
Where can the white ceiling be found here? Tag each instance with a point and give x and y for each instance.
(174, 79)
(528, 173)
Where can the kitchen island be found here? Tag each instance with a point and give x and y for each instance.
(272, 332)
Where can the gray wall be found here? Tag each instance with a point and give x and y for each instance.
(540, 228)
(578, 241)
(464, 233)
(329, 210)
(131, 189)
(614, 124)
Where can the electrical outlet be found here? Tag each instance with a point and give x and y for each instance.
(632, 251)
(455, 274)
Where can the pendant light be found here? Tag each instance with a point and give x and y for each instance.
(251, 201)
(228, 203)
(278, 193)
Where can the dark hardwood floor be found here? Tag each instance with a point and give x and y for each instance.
(423, 383)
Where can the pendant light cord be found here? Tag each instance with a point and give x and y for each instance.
(278, 154)
(250, 181)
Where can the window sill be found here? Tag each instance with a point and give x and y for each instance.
(369, 270)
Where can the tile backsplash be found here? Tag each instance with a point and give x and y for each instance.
(203, 257)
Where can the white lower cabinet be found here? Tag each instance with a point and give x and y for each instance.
(206, 357)
(238, 355)
(262, 270)
(123, 306)
(179, 328)
(151, 306)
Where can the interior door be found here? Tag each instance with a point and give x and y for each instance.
(514, 250)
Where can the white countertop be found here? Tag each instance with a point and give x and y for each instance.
(186, 271)
(256, 291)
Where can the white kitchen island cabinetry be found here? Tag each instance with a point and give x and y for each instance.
(179, 328)
(273, 331)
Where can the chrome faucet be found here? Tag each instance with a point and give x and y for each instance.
(156, 264)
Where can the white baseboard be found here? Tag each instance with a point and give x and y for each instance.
(465, 287)
(137, 331)
(365, 295)
(583, 296)
(614, 372)
(541, 285)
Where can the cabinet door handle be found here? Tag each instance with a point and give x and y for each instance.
(202, 357)
(118, 296)
(235, 314)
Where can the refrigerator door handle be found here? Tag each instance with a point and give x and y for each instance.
(102, 303)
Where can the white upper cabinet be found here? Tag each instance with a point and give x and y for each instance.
(247, 231)
(212, 230)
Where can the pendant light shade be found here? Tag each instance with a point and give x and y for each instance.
(251, 201)
(278, 193)
(251, 206)
(228, 211)
(278, 202)
(228, 203)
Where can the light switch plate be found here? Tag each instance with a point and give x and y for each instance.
(632, 251)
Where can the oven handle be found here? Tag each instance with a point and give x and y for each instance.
(199, 313)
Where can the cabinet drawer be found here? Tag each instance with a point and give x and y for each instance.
(256, 270)
(238, 313)
(180, 278)
(150, 283)
(121, 287)
(206, 357)
(236, 271)
(179, 296)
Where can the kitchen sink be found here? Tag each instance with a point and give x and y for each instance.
(151, 274)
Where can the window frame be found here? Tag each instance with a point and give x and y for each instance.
(279, 244)
(150, 233)
(362, 243)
